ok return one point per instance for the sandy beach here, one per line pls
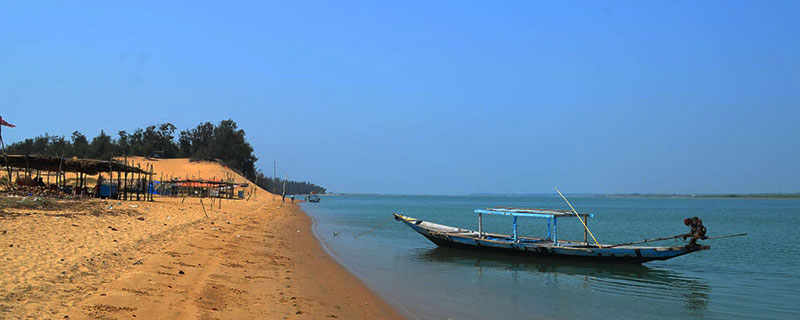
(171, 259)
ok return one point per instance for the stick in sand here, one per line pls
(204, 207)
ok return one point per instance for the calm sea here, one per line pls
(752, 277)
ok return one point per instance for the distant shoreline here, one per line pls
(709, 196)
(619, 195)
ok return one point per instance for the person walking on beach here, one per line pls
(292, 197)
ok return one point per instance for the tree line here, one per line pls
(224, 142)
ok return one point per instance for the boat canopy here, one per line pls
(532, 213)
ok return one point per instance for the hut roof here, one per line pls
(50, 163)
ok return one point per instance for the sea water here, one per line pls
(751, 277)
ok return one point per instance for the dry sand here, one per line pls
(165, 260)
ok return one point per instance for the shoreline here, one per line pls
(165, 259)
(340, 284)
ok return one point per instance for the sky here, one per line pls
(432, 97)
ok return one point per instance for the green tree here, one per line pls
(80, 145)
(123, 143)
(101, 147)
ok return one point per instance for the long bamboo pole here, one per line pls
(579, 217)
(644, 241)
(673, 237)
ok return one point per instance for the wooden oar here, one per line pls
(673, 237)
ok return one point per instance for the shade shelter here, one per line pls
(200, 188)
(129, 179)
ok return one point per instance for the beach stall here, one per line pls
(202, 188)
(113, 179)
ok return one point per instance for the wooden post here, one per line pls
(150, 183)
(147, 182)
(586, 233)
(555, 231)
(480, 226)
(27, 169)
(8, 166)
(125, 190)
(110, 180)
(125, 186)
(59, 178)
(119, 184)
(139, 183)
(202, 206)
(515, 227)
(254, 190)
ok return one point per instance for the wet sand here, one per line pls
(165, 259)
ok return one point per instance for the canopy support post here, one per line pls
(515, 228)
(480, 224)
(555, 234)
(548, 228)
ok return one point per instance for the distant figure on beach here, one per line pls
(292, 197)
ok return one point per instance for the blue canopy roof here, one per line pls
(529, 212)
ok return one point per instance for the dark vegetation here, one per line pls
(224, 142)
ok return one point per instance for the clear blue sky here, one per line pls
(439, 97)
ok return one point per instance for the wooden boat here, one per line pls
(447, 236)
(313, 198)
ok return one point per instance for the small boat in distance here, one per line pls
(313, 198)
(448, 236)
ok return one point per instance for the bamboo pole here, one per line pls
(674, 237)
(125, 191)
(5, 156)
(58, 177)
(151, 185)
(644, 241)
(110, 179)
(139, 183)
(204, 207)
(579, 217)
(119, 184)
(149, 195)
(27, 168)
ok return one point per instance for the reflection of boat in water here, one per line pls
(551, 246)
(622, 279)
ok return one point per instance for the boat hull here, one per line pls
(446, 236)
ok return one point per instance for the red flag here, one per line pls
(3, 122)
